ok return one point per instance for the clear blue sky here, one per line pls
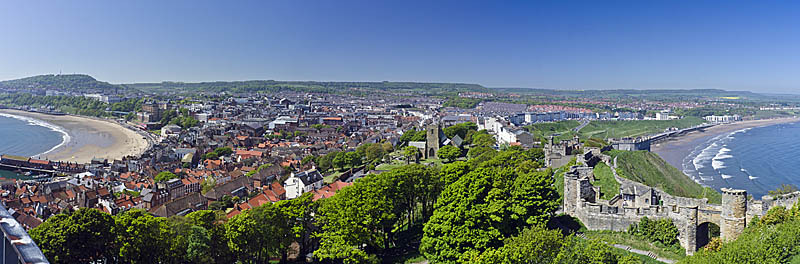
(752, 45)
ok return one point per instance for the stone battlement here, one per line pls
(692, 216)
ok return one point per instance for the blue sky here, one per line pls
(749, 45)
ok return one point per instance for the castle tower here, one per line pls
(571, 192)
(734, 210)
(688, 229)
(434, 136)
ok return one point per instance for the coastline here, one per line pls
(87, 138)
(676, 149)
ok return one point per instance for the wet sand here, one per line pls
(676, 149)
(90, 138)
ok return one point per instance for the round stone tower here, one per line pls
(734, 213)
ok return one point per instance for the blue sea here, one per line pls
(29, 137)
(755, 159)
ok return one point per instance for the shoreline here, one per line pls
(87, 138)
(675, 150)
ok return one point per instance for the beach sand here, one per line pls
(676, 149)
(90, 138)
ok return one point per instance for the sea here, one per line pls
(24, 136)
(756, 159)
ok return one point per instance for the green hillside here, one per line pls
(64, 82)
(648, 168)
(544, 130)
(609, 129)
(635, 128)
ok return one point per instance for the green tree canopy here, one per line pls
(86, 235)
(449, 153)
(484, 207)
(165, 176)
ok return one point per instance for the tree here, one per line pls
(406, 137)
(353, 159)
(326, 162)
(211, 156)
(256, 234)
(533, 245)
(450, 173)
(411, 152)
(165, 176)
(460, 129)
(449, 153)
(87, 235)
(340, 160)
(143, 238)
(213, 222)
(307, 160)
(224, 151)
(374, 152)
(474, 152)
(483, 139)
(358, 215)
(421, 135)
(578, 251)
(319, 127)
(489, 204)
(300, 214)
(387, 147)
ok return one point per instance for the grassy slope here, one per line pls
(648, 168)
(544, 130)
(622, 238)
(609, 129)
(604, 178)
(634, 128)
(558, 173)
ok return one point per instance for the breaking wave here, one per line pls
(36, 122)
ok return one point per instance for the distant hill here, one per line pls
(676, 94)
(82, 83)
(270, 86)
(78, 83)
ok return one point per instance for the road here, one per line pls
(583, 124)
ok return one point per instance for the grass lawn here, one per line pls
(622, 238)
(634, 128)
(434, 161)
(648, 168)
(604, 178)
(332, 177)
(391, 165)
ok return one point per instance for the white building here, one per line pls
(723, 118)
(170, 131)
(303, 182)
(663, 115)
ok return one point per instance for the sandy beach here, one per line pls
(676, 149)
(90, 138)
